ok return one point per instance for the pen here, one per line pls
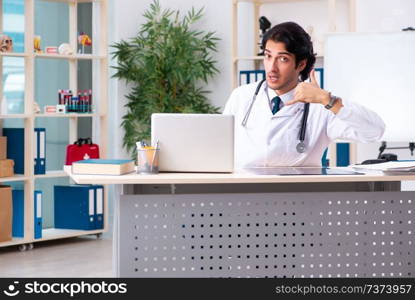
(154, 156)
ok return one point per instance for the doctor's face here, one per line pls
(280, 67)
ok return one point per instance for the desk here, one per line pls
(244, 225)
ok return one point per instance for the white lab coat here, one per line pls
(271, 140)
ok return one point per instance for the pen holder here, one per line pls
(148, 160)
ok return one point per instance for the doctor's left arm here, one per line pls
(355, 122)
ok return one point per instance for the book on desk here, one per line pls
(103, 166)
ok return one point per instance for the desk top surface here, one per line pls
(238, 177)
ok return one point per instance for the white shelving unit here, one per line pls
(69, 115)
(99, 60)
(69, 57)
(51, 174)
(14, 178)
(332, 20)
(13, 54)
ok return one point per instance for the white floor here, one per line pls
(75, 257)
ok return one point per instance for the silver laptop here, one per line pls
(194, 142)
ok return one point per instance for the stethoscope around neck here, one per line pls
(301, 136)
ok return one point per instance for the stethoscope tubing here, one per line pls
(248, 112)
(304, 122)
(303, 128)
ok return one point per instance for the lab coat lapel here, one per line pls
(289, 110)
(263, 105)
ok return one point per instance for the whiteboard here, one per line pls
(376, 70)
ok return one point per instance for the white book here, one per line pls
(402, 166)
(103, 166)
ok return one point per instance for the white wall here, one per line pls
(384, 15)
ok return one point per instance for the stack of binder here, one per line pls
(79, 207)
(250, 76)
(16, 148)
(18, 214)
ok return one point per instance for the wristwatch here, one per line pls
(332, 102)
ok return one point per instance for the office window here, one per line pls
(13, 67)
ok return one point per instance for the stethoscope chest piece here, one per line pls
(300, 147)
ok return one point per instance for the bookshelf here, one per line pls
(99, 62)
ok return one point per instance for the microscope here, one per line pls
(264, 25)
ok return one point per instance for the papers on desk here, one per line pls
(391, 167)
(286, 171)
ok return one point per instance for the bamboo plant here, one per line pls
(167, 66)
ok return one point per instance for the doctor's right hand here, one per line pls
(310, 92)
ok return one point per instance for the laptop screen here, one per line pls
(194, 142)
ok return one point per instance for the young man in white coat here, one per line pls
(291, 122)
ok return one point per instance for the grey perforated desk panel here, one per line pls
(241, 225)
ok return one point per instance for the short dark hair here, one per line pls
(297, 42)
